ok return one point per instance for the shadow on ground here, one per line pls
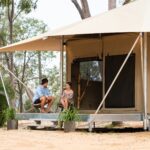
(95, 130)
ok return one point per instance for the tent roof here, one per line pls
(133, 17)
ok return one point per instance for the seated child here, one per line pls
(67, 96)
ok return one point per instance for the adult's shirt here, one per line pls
(41, 91)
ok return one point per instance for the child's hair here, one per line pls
(70, 84)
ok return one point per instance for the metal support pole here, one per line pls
(145, 79)
(141, 51)
(7, 98)
(103, 78)
(61, 64)
(65, 63)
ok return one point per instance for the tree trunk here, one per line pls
(111, 4)
(20, 87)
(22, 79)
(10, 13)
(83, 10)
(39, 66)
(20, 101)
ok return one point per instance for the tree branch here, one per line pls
(7, 60)
(75, 2)
(126, 2)
(17, 15)
(85, 8)
(24, 67)
(31, 79)
(29, 58)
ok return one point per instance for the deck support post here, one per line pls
(61, 64)
(103, 75)
(91, 127)
(144, 35)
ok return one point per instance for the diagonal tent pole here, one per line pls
(13, 75)
(4, 87)
(117, 75)
(27, 89)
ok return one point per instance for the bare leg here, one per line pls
(43, 102)
(50, 101)
(63, 102)
(66, 103)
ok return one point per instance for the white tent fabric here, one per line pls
(133, 17)
(42, 42)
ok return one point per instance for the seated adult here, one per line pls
(43, 96)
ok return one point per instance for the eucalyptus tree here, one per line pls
(13, 9)
(26, 63)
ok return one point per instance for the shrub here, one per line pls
(10, 114)
(27, 105)
(3, 107)
(70, 114)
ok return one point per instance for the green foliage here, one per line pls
(3, 101)
(10, 91)
(91, 70)
(3, 30)
(10, 11)
(70, 114)
(7, 114)
(27, 105)
(25, 6)
(3, 106)
(10, 114)
(24, 28)
(27, 27)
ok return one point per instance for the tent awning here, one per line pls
(133, 17)
(41, 42)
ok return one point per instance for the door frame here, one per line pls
(86, 59)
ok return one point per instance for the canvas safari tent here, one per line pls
(107, 60)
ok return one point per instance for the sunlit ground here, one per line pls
(25, 139)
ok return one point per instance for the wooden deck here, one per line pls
(83, 117)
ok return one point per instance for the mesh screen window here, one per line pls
(91, 70)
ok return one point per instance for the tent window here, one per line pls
(91, 70)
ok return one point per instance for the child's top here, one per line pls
(68, 95)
